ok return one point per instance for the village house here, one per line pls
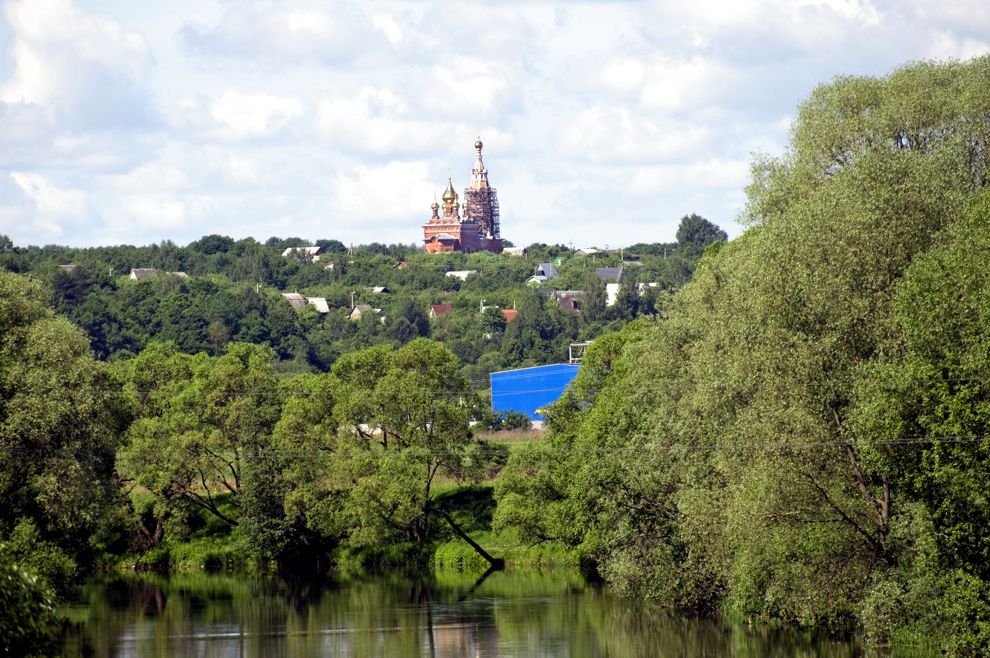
(436, 310)
(361, 310)
(313, 253)
(298, 302)
(319, 303)
(295, 300)
(570, 301)
(609, 274)
(141, 273)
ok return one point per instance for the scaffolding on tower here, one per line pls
(494, 202)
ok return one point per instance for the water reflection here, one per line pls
(508, 614)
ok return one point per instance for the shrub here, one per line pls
(27, 613)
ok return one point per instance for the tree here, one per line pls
(203, 425)
(409, 425)
(212, 244)
(695, 233)
(626, 305)
(60, 423)
(332, 246)
(399, 421)
(934, 390)
(28, 617)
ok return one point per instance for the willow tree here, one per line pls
(201, 437)
(746, 402)
(371, 439)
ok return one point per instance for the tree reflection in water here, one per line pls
(498, 614)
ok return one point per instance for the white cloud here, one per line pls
(340, 119)
(54, 206)
(466, 87)
(715, 176)
(376, 122)
(945, 45)
(249, 115)
(153, 210)
(85, 71)
(397, 193)
(617, 134)
(292, 31)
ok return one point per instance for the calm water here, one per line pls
(508, 614)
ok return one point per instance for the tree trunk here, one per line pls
(496, 563)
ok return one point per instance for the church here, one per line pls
(471, 228)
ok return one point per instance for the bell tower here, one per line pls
(481, 199)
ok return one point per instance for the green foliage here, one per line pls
(202, 430)
(804, 435)
(232, 295)
(695, 233)
(28, 619)
(60, 421)
(26, 547)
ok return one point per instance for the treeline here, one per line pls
(807, 434)
(230, 291)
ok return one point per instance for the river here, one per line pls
(506, 614)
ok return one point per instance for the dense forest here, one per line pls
(794, 428)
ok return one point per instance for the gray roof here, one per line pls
(547, 270)
(143, 272)
(319, 303)
(295, 299)
(609, 273)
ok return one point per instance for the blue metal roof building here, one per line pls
(528, 390)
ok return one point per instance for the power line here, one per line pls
(625, 450)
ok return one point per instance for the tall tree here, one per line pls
(694, 233)
(60, 422)
(202, 435)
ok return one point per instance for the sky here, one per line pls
(604, 123)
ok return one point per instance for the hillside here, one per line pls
(217, 290)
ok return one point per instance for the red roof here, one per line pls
(509, 314)
(440, 309)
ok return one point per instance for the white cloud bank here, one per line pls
(603, 123)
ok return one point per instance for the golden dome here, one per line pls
(435, 206)
(477, 143)
(449, 195)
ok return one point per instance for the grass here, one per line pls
(211, 543)
(512, 439)
(472, 508)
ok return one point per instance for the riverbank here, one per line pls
(216, 546)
